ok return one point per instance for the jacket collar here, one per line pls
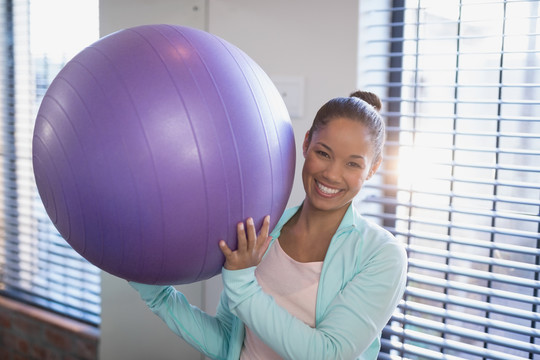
(349, 220)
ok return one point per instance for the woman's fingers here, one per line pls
(266, 243)
(250, 247)
(263, 234)
(241, 237)
(225, 249)
(251, 234)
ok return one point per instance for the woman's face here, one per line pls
(338, 160)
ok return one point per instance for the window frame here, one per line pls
(37, 266)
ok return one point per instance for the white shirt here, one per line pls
(293, 285)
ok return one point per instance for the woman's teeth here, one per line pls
(327, 190)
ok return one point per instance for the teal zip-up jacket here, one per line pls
(362, 280)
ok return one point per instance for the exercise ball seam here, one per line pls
(132, 171)
(224, 44)
(189, 120)
(46, 149)
(37, 159)
(66, 81)
(99, 84)
(228, 117)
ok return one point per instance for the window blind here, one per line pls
(36, 265)
(460, 182)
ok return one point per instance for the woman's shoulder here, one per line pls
(373, 238)
(368, 227)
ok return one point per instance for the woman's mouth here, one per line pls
(325, 190)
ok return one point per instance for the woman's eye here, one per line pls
(322, 153)
(354, 164)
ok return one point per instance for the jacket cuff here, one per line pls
(148, 292)
(239, 285)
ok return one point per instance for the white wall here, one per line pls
(312, 39)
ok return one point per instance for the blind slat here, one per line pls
(471, 288)
(495, 246)
(461, 226)
(473, 259)
(407, 348)
(466, 211)
(473, 273)
(466, 318)
(478, 181)
(472, 304)
(441, 342)
(440, 327)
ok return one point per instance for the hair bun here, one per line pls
(368, 97)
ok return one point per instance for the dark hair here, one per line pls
(362, 106)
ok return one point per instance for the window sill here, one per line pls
(64, 323)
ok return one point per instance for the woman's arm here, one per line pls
(208, 334)
(350, 324)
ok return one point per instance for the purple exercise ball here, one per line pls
(153, 143)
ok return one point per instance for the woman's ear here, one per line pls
(374, 168)
(306, 143)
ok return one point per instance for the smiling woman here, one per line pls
(338, 159)
(349, 274)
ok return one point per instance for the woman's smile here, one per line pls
(326, 190)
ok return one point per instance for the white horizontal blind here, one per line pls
(460, 186)
(36, 265)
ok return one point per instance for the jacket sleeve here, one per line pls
(350, 324)
(208, 334)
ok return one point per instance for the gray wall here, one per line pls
(314, 41)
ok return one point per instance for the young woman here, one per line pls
(325, 282)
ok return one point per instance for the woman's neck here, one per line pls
(316, 221)
(308, 233)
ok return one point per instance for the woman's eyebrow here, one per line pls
(354, 156)
(324, 146)
(358, 157)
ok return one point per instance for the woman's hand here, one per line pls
(251, 247)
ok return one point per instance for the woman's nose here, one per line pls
(332, 172)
